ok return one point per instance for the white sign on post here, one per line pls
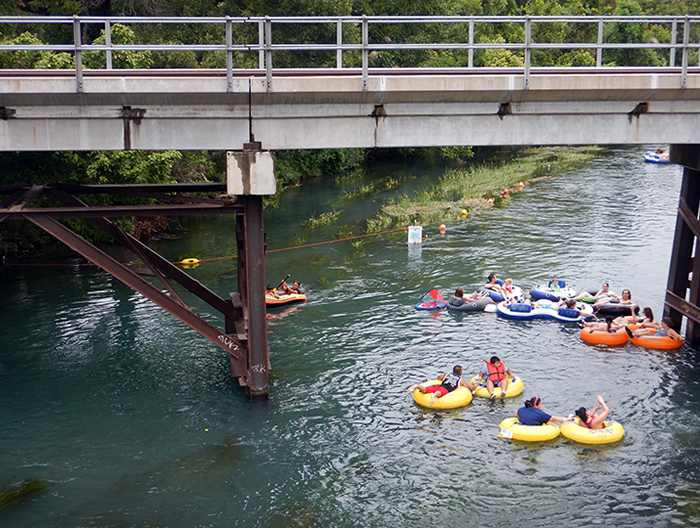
(415, 234)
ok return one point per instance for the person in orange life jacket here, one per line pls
(590, 419)
(495, 373)
(532, 414)
(450, 381)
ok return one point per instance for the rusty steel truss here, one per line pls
(245, 334)
(683, 290)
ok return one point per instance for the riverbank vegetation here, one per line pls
(478, 187)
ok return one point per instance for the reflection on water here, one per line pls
(129, 414)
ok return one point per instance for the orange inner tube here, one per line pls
(660, 342)
(603, 337)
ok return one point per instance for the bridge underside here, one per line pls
(338, 109)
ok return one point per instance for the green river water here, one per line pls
(132, 420)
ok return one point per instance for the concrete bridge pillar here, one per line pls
(683, 290)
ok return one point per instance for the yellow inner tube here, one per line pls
(612, 432)
(459, 397)
(511, 428)
(515, 387)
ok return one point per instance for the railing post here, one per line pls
(470, 60)
(268, 52)
(261, 44)
(339, 43)
(77, 42)
(229, 54)
(684, 53)
(528, 36)
(365, 53)
(108, 43)
(672, 57)
(599, 49)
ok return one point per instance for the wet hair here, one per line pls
(268, 287)
(609, 319)
(648, 313)
(491, 276)
(628, 293)
(582, 413)
(457, 370)
(532, 402)
(494, 359)
(459, 292)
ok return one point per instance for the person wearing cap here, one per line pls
(532, 413)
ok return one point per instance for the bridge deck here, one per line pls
(195, 109)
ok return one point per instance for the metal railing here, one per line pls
(352, 35)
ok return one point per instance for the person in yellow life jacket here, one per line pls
(495, 372)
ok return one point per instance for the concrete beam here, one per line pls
(162, 110)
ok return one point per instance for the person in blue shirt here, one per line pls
(532, 413)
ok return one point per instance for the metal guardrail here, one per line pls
(265, 47)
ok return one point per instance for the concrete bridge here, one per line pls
(251, 113)
(193, 110)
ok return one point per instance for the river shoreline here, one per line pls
(480, 187)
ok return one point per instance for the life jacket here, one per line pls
(496, 374)
(451, 381)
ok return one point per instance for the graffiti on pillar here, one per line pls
(258, 369)
(228, 342)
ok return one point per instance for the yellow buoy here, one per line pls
(190, 261)
(464, 212)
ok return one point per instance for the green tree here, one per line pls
(120, 34)
(629, 33)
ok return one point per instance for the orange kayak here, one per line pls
(283, 298)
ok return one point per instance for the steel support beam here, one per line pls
(250, 236)
(133, 280)
(683, 292)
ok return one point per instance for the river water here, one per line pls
(132, 419)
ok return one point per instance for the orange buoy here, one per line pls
(521, 185)
(442, 228)
(490, 202)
